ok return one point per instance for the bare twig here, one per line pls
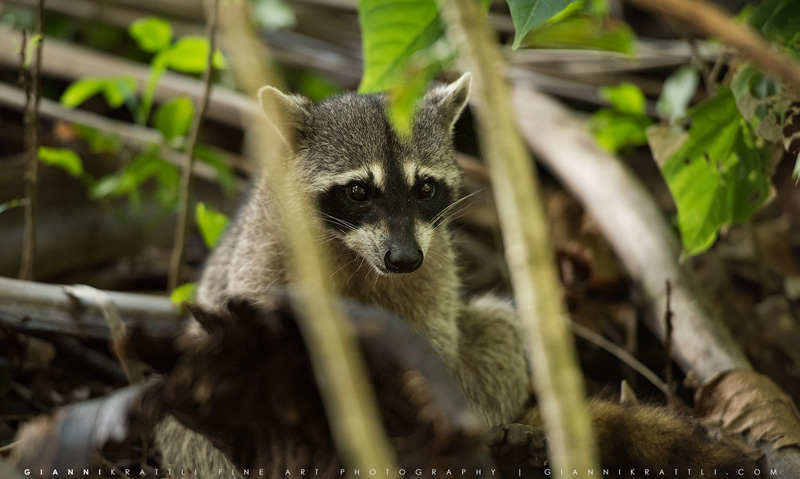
(525, 234)
(670, 391)
(33, 86)
(111, 313)
(347, 396)
(621, 354)
(712, 20)
(184, 212)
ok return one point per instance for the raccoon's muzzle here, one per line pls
(403, 257)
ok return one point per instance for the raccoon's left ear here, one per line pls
(451, 99)
(293, 110)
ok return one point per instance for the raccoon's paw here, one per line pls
(516, 443)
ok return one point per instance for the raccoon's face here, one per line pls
(383, 197)
(386, 215)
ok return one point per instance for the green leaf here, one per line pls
(761, 101)
(32, 44)
(174, 118)
(211, 223)
(145, 166)
(625, 98)
(10, 204)
(106, 186)
(81, 90)
(529, 14)
(184, 293)
(99, 142)
(717, 177)
(116, 90)
(583, 31)
(777, 20)
(614, 130)
(63, 158)
(190, 55)
(678, 91)
(152, 34)
(392, 31)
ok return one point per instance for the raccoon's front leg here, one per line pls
(492, 366)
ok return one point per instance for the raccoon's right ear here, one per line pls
(451, 99)
(293, 110)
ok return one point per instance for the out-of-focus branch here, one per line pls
(338, 366)
(525, 234)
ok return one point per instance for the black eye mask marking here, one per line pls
(432, 201)
(348, 207)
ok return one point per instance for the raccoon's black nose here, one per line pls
(403, 258)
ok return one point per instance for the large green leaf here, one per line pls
(529, 14)
(583, 31)
(717, 176)
(152, 34)
(392, 31)
(777, 20)
(174, 118)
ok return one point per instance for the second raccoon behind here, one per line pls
(385, 204)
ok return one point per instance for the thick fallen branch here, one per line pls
(641, 237)
(45, 308)
(129, 133)
(69, 61)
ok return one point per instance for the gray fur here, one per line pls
(479, 341)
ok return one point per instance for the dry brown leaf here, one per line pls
(746, 401)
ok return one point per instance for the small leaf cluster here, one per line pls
(188, 54)
(716, 157)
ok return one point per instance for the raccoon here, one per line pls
(384, 204)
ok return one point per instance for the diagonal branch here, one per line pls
(711, 20)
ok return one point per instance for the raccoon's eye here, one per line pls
(426, 190)
(357, 192)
